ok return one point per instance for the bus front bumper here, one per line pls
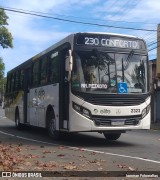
(80, 123)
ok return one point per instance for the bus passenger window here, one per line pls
(35, 73)
(43, 71)
(12, 82)
(9, 83)
(53, 70)
(21, 79)
(17, 80)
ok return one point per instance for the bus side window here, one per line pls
(17, 80)
(43, 70)
(21, 79)
(8, 83)
(53, 70)
(35, 81)
(12, 82)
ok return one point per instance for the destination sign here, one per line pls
(109, 41)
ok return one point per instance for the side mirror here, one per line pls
(69, 62)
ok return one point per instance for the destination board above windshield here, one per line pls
(109, 41)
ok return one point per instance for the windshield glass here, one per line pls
(102, 72)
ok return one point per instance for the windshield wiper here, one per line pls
(131, 53)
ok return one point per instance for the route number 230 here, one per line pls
(91, 41)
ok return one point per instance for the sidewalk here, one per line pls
(155, 126)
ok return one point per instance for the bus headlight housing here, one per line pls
(145, 111)
(86, 112)
(81, 110)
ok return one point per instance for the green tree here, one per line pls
(2, 79)
(5, 42)
(2, 68)
(5, 36)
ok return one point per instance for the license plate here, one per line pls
(118, 123)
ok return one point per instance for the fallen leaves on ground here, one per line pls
(33, 156)
(131, 169)
(126, 167)
(60, 155)
(70, 167)
(45, 152)
(9, 157)
(122, 166)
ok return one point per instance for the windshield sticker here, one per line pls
(132, 90)
(113, 82)
(94, 86)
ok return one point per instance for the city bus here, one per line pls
(87, 82)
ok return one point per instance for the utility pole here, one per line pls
(158, 55)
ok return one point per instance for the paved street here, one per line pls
(135, 150)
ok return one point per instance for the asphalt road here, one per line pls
(138, 149)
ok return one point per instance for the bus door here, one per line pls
(63, 93)
(27, 76)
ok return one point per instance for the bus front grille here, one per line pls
(124, 121)
(113, 99)
(116, 101)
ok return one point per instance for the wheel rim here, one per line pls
(52, 125)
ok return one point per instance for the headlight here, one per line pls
(86, 112)
(81, 110)
(148, 108)
(145, 111)
(76, 107)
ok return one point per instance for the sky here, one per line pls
(32, 34)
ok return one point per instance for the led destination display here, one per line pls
(109, 41)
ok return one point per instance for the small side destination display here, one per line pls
(109, 41)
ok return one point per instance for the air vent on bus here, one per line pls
(116, 100)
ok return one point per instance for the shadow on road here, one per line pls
(83, 140)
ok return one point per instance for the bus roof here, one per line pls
(107, 33)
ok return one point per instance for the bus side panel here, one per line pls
(13, 101)
(10, 112)
(39, 99)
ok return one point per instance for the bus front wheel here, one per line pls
(51, 126)
(111, 136)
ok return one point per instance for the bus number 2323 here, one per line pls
(135, 110)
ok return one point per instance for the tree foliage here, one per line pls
(2, 79)
(5, 42)
(2, 68)
(5, 36)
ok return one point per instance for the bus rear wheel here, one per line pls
(51, 126)
(111, 136)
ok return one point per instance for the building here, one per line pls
(155, 93)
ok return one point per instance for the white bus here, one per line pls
(87, 82)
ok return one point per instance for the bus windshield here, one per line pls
(102, 72)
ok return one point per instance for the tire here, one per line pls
(111, 136)
(18, 125)
(51, 126)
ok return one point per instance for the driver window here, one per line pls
(75, 74)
